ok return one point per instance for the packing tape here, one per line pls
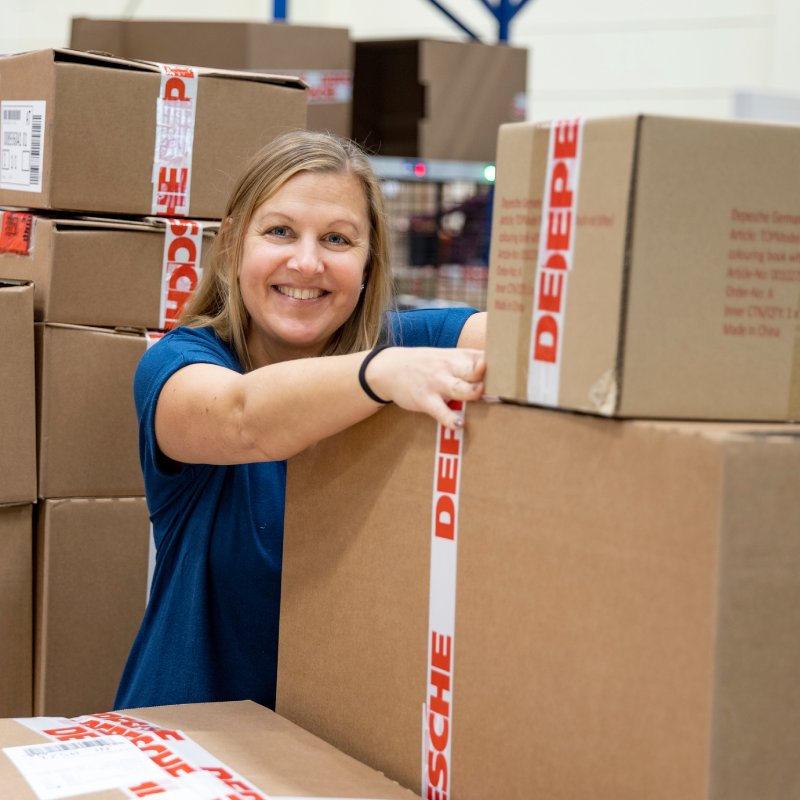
(185, 769)
(437, 710)
(16, 233)
(181, 270)
(172, 157)
(554, 260)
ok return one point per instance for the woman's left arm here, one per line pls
(473, 334)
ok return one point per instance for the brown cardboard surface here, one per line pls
(87, 426)
(16, 610)
(258, 46)
(435, 99)
(276, 756)
(100, 127)
(626, 597)
(91, 588)
(96, 273)
(683, 293)
(17, 396)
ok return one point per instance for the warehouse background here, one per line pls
(720, 58)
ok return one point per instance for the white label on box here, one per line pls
(324, 85)
(328, 86)
(183, 241)
(437, 710)
(64, 769)
(22, 144)
(172, 159)
(554, 261)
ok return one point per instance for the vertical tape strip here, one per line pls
(554, 261)
(437, 711)
(183, 242)
(172, 159)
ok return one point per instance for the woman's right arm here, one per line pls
(211, 415)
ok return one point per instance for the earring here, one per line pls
(362, 286)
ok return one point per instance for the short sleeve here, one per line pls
(179, 348)
(428, 327)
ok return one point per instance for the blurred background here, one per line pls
(730, 59)
(590, 57)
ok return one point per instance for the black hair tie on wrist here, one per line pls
(362, 374)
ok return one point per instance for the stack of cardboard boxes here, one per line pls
(114, 175)
(78, 137)
(600, 604)
(17, 487)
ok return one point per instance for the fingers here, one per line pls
(446, 416)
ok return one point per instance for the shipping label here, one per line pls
(16, 233)
(172, 161)
(437, 710)
(183, 241)
(116, 751)
(22, 125)
(554, 260)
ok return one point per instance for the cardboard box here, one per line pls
(434, 99)
(109, 273)
(91, 591)
(234, 749)
(95, 134)
(17, 396)
(321, 56)
(666, 278)
(16, 610)
(626, 604)
(87, 425)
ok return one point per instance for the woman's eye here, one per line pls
(337, 238)
(278, 230)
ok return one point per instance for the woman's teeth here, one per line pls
(300, 294)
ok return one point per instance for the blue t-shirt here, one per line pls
(210, 630)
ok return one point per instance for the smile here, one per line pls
(300, 294)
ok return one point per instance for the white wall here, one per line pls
(587, 57)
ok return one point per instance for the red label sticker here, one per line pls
(16, 233)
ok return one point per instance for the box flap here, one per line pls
(97, 59)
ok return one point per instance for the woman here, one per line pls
(276, 350)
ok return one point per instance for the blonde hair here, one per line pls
(217, 301)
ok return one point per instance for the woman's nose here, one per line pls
(307, 257)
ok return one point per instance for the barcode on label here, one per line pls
(36, 148)
(12, 113)
(41, 749)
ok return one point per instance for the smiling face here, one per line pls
(304, 255)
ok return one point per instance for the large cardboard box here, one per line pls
(647, 266)
(17, 395)
(321, 56)
(231, 750)
(626, 601)
(16, 610)
(108, 273)
(435, 99)
(87, 427)
(91, 591)
(95, 134)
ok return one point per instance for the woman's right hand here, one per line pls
(425, 378)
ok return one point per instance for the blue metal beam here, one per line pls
(452, 17)
(504, 11)
(279, 9)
